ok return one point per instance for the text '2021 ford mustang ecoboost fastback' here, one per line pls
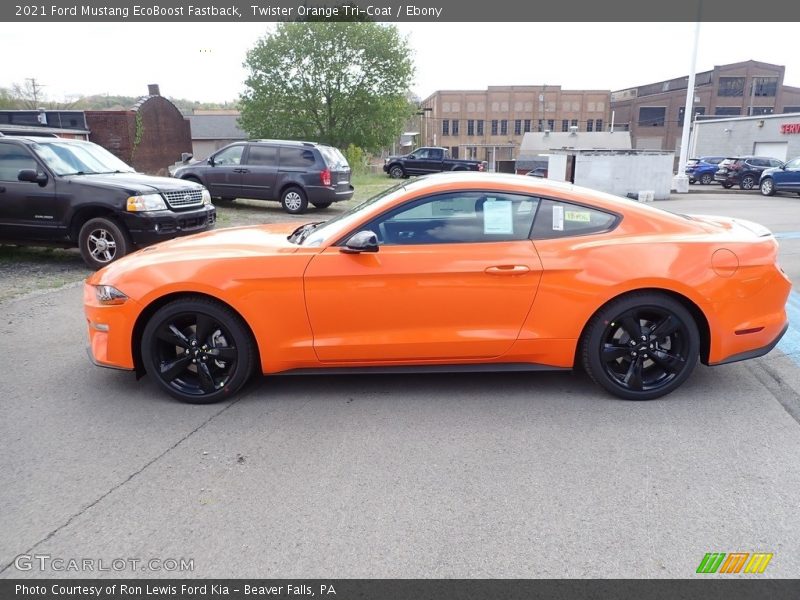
(449, 272)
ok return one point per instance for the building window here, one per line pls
(480, 126)
(765, 86)
(652, 116)
(517, 127)
(471, 127)
(698, 110)
(454, 151)
(728, 111)
(589, 125)
(761, 110)
(551, 124)
(540, 125)
(731, 86)
(565, 125)
(791, 109)
(527, 125)
(445, 127)
(598, 124)
(454, 127)
(494, 126)
(503, 126)
(574, 122)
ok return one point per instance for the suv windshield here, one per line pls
(73, 158)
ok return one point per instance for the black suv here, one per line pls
(66, 193)
(295, 173)
(744, 171)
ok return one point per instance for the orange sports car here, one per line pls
(449, 272)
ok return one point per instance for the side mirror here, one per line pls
(33, 176)
(363, 241)
(210, 160)
(186, 157)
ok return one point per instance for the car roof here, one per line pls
(286, 143)
(37, 139)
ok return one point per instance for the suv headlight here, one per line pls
(146, 202)
(206, 197)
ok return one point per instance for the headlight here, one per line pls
(107, 294)
(146, 202)
(206, 197)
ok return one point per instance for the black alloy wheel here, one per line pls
(198, 350)
(396, 172)
(641, 346)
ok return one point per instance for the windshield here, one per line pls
(333, 157)
(323, 232)
(73, 158)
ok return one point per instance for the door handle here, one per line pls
(507, 270)
(241, 170)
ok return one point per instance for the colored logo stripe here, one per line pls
(716, 561)
(758, 563)
(734, 562)
(711, 562)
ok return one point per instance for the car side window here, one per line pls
(260, 155)
(229, 156)
(557, 219)
(774, 162)
(793, 165)
(457, 218)
(297, 157)
(13, 159)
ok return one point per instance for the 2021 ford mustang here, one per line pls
(448, 272)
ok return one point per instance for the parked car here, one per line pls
(702, 169)
(537, 172)
(744, 171)
(426, 160)
(781, 179)
(293, 173)
(63, 192)
(451, 272)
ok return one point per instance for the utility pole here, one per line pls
(35, 88)
(681, 181)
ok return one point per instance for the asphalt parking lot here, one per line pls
(482, 475)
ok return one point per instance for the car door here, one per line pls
(223, 176)
(417, 162)
(259, 170)
(788, 178)
(453, 279)
(28, 210)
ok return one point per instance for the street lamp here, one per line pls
(423, 112)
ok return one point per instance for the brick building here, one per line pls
(150, 136)
(490, 124)
(654, 113)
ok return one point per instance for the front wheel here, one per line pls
(706, 178)
(641, 346)
(767, 187)
(748, 182)
(198, 350)
(101, 241)
(321, 205)
(396, 172)
(294, 201)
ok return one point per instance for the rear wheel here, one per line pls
(641, 346)
(767, 187)
(198, 350)
(706, 178)
(294, 201)
(748, 182)
(101, 241)
(321, 205)
(727, 185)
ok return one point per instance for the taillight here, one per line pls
(735, 167)
(325, 176)
(480, 166)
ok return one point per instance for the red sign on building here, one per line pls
(790, 128)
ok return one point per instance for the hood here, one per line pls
(133, 183)
(220, 244)
(770, 171)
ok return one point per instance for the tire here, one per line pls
(748, 182)
(616, 357)
(693, 181)
(101, 242)
(767, 187)
(727, 185)
(706, 179)
(294, 201)
(321, 205)
(397, 172)
(198, 367)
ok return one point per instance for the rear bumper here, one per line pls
(329, 194)
(755, 353)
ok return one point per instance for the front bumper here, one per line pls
(149, 228)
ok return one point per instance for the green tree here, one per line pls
(333, 82)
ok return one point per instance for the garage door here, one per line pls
(772, 149)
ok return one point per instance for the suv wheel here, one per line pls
(767, 187)
(748, 182)
(396, 172)
(294, 201)
(727, 185)
(321, 205)
(102, 241)
(706, 178)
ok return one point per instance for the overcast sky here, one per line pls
(203, 62)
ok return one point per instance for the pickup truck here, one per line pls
(428, 160)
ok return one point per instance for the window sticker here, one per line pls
(498, 217)
(558, 218)
(578, 216)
